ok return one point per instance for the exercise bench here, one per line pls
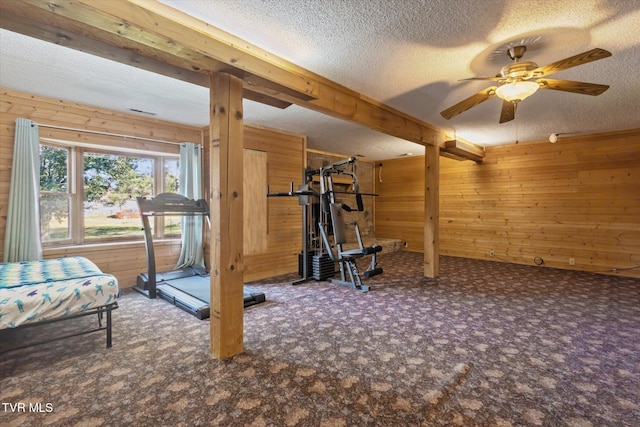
(349, 273)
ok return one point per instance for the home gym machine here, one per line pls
(322, 217)
(188, 287)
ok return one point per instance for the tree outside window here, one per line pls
(111, 185)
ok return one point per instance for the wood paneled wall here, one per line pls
(124, 260)
(285, 162)
(399, 184)
(577, 199)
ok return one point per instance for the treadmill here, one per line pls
(189, 287)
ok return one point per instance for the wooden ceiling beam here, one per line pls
(156, 31)
(151, 29)
(128, 56)
(342, 103)
(462, 150)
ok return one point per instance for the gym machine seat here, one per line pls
(347, 258)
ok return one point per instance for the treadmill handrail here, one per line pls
(172, 204)
(165, 204)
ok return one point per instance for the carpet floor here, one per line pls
(485, 344)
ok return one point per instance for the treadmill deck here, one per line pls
(192, 294)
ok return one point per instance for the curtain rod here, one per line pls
(107, 134)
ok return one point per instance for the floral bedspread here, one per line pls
(34, 291)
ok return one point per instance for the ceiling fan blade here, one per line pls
(495, 79)
(579, 59)
(508, 112)
(571, 86)
(465, 104)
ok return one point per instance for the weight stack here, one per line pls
(323, 267)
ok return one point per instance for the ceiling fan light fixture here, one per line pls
(517, 91)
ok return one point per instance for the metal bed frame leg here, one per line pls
(109, 327)
(99, 311)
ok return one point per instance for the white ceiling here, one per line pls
(409, 54)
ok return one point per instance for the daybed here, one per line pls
(38, 292)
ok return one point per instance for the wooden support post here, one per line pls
(431, 210)
(226, 255)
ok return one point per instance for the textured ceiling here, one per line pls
(409, 54)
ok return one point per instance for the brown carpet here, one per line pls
(486, 344)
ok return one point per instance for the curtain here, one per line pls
(191, 187)
(22, 237)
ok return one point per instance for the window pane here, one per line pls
(55, 200)
(111, 185)
(54, 216)
(172, 225)
(171, 176)
(171, 183)
(53, 169)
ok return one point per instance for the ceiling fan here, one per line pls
(519, 80)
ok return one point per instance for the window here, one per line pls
(89, 194)
(111, 184)
(55, 194)
(171, 178)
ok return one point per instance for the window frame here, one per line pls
(161, 220)
(70, 193)
(75, 189)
